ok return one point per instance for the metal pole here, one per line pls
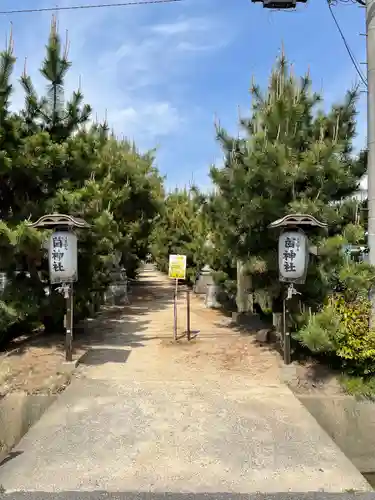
(69, 325)
(175, 312)
(370, 31)
(188, 314)
(286, 335)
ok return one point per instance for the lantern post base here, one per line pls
(69, 325)
(286, 336)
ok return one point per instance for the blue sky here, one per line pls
(162, 73)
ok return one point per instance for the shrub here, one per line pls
(342, 328)
(319, 334)
(357, 347)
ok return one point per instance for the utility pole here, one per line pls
(370, 48)
(370, 42)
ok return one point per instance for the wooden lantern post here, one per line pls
(63, 268)
(293, 260)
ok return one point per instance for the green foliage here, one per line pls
(291, 158)
(53, 160)
(360, 387)
(320, 332)
(357, 347)
(182, 228)
(356, 279)
(8, 316)
(354, 233)
(342, 328)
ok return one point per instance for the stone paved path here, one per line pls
(145, 414)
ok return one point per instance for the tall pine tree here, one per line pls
(291, 158)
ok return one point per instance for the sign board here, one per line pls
(293, 256)
(177, 267)
(62, 256)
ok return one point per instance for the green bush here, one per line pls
(8, 317)
(320, 332)
(357, 347)
(342, 328)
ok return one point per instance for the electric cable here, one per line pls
(359, 2)
(348, 49)
(89, 6)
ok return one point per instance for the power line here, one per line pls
(359, 2)
(348, 49)
(89, 6)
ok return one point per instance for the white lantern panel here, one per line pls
(292, 255)
(63, 257)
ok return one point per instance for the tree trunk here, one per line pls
(244, 290)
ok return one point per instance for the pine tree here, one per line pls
(182, 228)
(50, 162)
(291, 158)
(51, 113)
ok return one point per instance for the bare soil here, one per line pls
(312, 377)
(226, 347)
(243, 353)
(35, 366)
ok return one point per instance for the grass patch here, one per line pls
(360, 387)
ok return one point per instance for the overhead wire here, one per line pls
(360, 2)
(348, 49)
(89, 6)
(151, 2)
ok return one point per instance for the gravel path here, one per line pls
(145, 414)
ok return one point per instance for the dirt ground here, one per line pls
(223, 345)
(312, 377)
(240, 352)
(34, 365)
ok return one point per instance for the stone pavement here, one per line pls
(145, 414)
(101, 495)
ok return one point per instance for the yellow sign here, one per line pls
(177, 267)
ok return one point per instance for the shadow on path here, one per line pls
(117, 330)
(147, 295)
(103, 495)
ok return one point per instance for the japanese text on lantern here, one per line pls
(59, 247)
(292, 246)
(292, 255)
(63, 257)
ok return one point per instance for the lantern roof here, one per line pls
(297, 220)
(59, 220)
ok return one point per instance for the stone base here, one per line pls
(69, 366)
(211, 297)
(289, 374)
(263, 336)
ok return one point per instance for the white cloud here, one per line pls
(181, 27)
(193, 34)
(135, 72)
(136, 69)
(152, 54)
(149, 120)
(193, 47)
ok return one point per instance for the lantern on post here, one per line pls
(293, 256)
(63, 266)
(293, 260)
